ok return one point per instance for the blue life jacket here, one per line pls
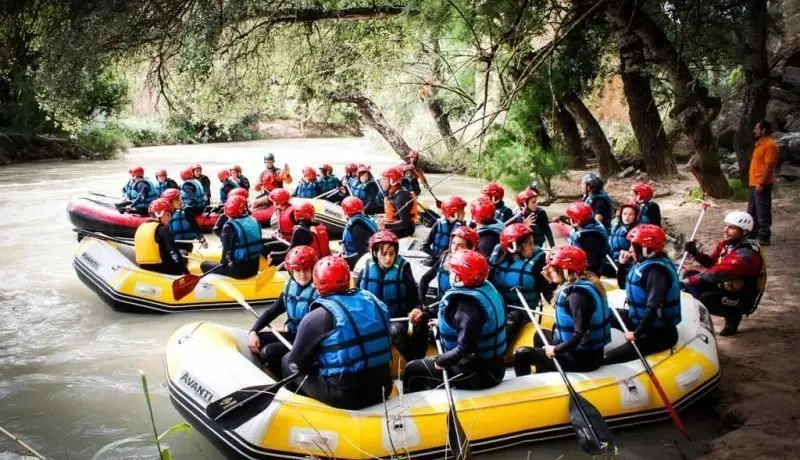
(297, 300)
(592, 227)
(507, 275)
(670, 313)
(306, 190)
(643, 212)
(441, 235)
(381, 194)
(352, 182)
(328, 183)
(193, 196)
(223, 194)
(599, 327)
(180, 226)
(359, 191)
(492, 341)
(347, 234)
(601, 196)
(161, 187)
(387, 285)
(501, 210)
(360, 336)
(442, 281)
(247, 244)
(126, 188)
(617, 240)
(495, 227)
(150, 195)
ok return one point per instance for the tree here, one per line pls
(756, 81)
(373, 116)
(606, 163)
(568, 129)
(659, 161)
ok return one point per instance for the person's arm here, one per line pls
(468, 321)
(141, 189)
(544, 222)
(273, 311)
(191, 217)
(770, 162)
(228, 237)
(735, 266)
(165, 240)
(361, 235)
(657, 282)
(300, 237)
(546, 288)
(313, 328)
(428, 244)
(412, 290)
(581, 308)
(426, 279)
(402, 205)
(709, 260)
(373, 205)
(415, 186)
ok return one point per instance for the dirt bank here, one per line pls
(760, 391)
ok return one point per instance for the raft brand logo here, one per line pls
(90, 260)
(192, 383)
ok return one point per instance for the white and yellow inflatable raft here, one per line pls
(206, 361)
(110, 270)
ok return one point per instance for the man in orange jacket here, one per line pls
(761, 181)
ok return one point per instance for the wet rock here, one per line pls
(791, 77)
(789, 147)
(792, 124)
(732, 170)
(789, 171)
(777, 111)
(627, 172)
(784, 95)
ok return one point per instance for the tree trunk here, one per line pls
(756, 82)
(606, 163)
(372, 116)
(694, 110)
(429, 92)
(569, 131)
(540, 134)
(654, 149)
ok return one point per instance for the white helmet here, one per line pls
(740, 219)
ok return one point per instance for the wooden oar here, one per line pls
(456, 437)
(673, 414)
(591, 429)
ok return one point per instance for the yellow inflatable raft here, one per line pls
(109, 270)
(206, 361)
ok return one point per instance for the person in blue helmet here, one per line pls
(438, 239)
(357, 232)
(342, 349)
(588, 234)
(471, 324)
(388, 276)
(582, 325)
(594, 196)
(294, 301)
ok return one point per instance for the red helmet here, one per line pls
(326, 168)
(309, 174)
(648, 236)
(197, 166)
(513, 233)
(383, 236)
(237, 168)
(171, 194)
(301, 258)
(452, 206)
(304, 211)
(239, 191)
(236, 207)
(159, 206)
(469, 234)
(352, 206)
(524, 196)
(568, 258)
(224, 175)
(470, 266)
(186, 174)
(331, 275)
(137, 171)
(494, 191)
(362, 168)
(351, 168)
(482, 210)
(643, 191)
(633, 206)
(580, 212)
(394, 175)
(161, 172)
(279, 196)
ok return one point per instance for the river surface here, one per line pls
(69, 365)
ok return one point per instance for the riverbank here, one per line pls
(758, 395)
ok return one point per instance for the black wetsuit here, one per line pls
(595, 247)
(403, 224)
(191, 216)
(651, 214)
(649, 338)
(581, 307)
(206, 183)
(346, 391)
(430, 275)
(360, 236)
(272, 350)
(301, 236)
(374, 204)
(238, 270)
(465, 369)
(171, 261)
(244, 182)
(487, 243)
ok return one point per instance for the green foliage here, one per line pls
(104, 142)
(740, 190)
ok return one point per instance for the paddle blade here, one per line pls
(233, 410)
(456, 437)
(265, 276)
(593, 433)
(182, 286)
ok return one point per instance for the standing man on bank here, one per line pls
(761, 181)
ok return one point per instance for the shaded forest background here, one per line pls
(535, 87)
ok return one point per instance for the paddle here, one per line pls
(184, 285)
(326, 194)
(106, 196)
(705, 206)
(659, 389)
(590, 428)
(266, 274)
(611, 261)
(102, 236)
(456, 437)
